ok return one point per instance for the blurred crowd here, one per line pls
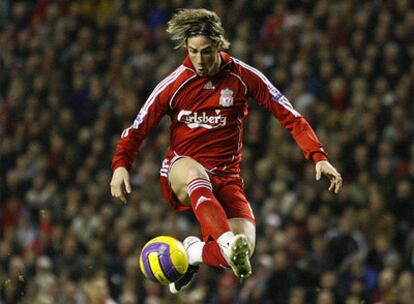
(73, 75)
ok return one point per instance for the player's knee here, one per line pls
(190, 169)
(183, 171)
(187, 169)
(195, 170)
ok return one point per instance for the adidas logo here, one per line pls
(202, 199)
(209, 86)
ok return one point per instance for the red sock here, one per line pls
(208, 211)
(212, 255)
(212, 218)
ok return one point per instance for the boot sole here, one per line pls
(240, 257)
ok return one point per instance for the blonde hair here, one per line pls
(194, 22)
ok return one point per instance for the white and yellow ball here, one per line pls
(163, 260)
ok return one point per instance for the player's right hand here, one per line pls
(120, 184)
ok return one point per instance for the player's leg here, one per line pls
(191, 184)
(192, 187)
(242, 222)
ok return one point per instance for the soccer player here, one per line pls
(206, 98)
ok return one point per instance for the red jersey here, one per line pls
(207, 115)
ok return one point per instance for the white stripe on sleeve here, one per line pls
(277, 96)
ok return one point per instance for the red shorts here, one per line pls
(228, 190)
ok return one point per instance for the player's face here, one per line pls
(204, 55)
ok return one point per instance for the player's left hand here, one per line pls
(325, 168)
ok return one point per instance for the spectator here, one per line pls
(345, 242)
(72, 75)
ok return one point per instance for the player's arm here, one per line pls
(131, 139)
(260, 88)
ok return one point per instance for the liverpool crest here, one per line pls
(226, 97)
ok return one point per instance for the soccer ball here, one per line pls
(163, 260)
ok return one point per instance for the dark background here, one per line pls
(73, 75)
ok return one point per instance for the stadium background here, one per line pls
(73, 74)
